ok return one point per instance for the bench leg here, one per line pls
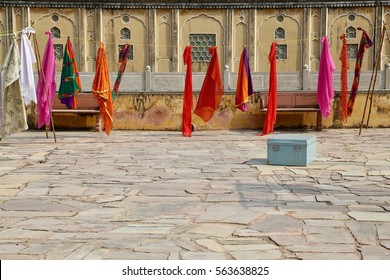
(319, 121)
(99, 122)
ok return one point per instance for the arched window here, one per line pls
(56, 32)
(281, 49)
(350, 32)
(280, 33)
(125, 34)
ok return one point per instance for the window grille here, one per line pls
(59, 51)
(131, 52)
(56, 32)
(280, 34)
(126, 18)
(350, 32)
(125, 34)
(200, 46)
(351, 17)
(281, 52)
(54, 18)
(280, 18)
(352, 51)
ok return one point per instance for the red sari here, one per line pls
(270, 118)
(212, 90)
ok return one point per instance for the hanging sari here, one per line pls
(70, 81)
(187, 99)
(101, 89)
(14, 118)
(365, 43)
(325, 90)
(212, 89)
(244, 83)
(270, 117)
(46, 86)
(344, 79)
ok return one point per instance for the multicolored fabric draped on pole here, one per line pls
(14, 117)
(212, 89)
(244, 82)
(188, 96)
(46, 86)
(101, 89)
(27, 59)
(325, 91)
(70, 80)
(344, 79)
(365, 43)
(270, 117)
(123, 58)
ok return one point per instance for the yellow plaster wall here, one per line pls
(164, 112)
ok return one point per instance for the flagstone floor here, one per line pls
(158, 195)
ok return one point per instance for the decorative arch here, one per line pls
(284, 15)
(55, 13)
(361, 16)
(126, 14)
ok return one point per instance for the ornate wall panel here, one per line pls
(284, 27)
(241, 22)
(313, 40)
(386, 43)
(63, 23)
(163, 41)
(198, 22)
(347, 21)
(126, 27)
(90, 35)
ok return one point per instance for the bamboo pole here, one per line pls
(373, 80)
(39, 67)
(372, 93)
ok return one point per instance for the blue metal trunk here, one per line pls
(291, 149)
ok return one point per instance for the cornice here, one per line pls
(139, 4)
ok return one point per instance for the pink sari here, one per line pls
(46, 86)
(325, 91)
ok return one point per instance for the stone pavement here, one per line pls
(158, 195)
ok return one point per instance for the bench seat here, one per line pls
(87, 105)
(295, 102)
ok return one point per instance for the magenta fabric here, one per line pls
(186, 126)
(325, 90)
(46, 86)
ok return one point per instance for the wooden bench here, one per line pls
(87, 105)
(295, 102)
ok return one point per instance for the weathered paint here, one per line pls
(153, 111)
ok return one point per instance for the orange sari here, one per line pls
(101, 89)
